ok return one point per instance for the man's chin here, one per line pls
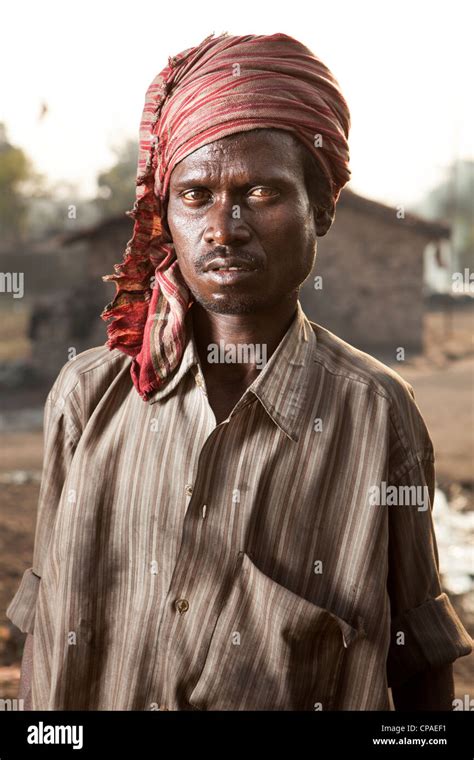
(231, 304)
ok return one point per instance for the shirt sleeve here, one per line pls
(60, 437)
(426, 631)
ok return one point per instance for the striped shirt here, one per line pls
(284, 559)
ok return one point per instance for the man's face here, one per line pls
(242, 197)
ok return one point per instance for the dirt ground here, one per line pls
(443, 380)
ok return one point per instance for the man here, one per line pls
(207, 535)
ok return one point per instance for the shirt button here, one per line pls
(182, 605)
(188, 489)
(199, 380)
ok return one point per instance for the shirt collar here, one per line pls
(281, 387)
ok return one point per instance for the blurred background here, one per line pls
(394, 276)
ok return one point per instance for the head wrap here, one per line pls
(224, 85)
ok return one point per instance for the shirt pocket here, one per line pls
(272, 649)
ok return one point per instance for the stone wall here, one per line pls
(372, 280)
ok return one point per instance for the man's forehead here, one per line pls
(275, 155)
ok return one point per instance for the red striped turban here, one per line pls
(225, 85)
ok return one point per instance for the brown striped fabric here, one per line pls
(182, 565)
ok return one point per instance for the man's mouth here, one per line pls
(231, 275)
(230, 269)
(230, 264)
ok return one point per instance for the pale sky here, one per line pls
(404, 67)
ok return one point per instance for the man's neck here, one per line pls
(261, 330)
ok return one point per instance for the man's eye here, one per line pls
(265, 192)
(199, 195)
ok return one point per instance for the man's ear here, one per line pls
(164, 223)
(166, 228)
(324, 217)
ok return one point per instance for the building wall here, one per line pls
(44, 272)
(71, 322)
(372, 281)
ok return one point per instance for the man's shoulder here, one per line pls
(344, 360)
(357, 370)
(94, 368)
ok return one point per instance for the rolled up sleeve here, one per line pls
(60, 436)
(426, 631)
(22, 608)
(435, 636)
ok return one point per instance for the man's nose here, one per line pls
(224, 225)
